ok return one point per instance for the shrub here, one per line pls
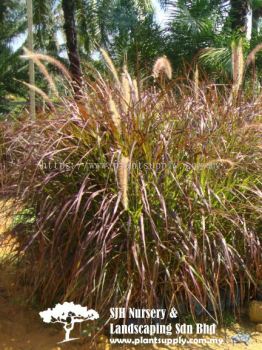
(141, 197)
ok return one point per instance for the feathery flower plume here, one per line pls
(252, 54)
(110, 65)
(162, 66)
(42, 69)
(123, 180)
(125, 89)
(238, 66)
(135, 90)
(39, 92)
(196, 83)
(49, 59)
(114, 114)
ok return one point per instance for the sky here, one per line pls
(159, 13)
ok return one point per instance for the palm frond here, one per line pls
(216, 57)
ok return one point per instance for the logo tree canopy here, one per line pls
(68, 314)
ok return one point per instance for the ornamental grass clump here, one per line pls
(142, 200)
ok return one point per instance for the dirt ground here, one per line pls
(22, 329)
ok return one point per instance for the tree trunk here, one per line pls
(68, 331)
(71, 42)
(31, 63)
(238, 14)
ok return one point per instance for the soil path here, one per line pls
(22, 329)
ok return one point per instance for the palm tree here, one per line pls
(238, 15)
(193, 26)
(134, 36)
(89, 24)
(197, 24)
(71, 42)
(46, 23)
(12, 24)
(101, 22)
(30, 43)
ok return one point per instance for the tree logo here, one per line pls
(68, 314)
